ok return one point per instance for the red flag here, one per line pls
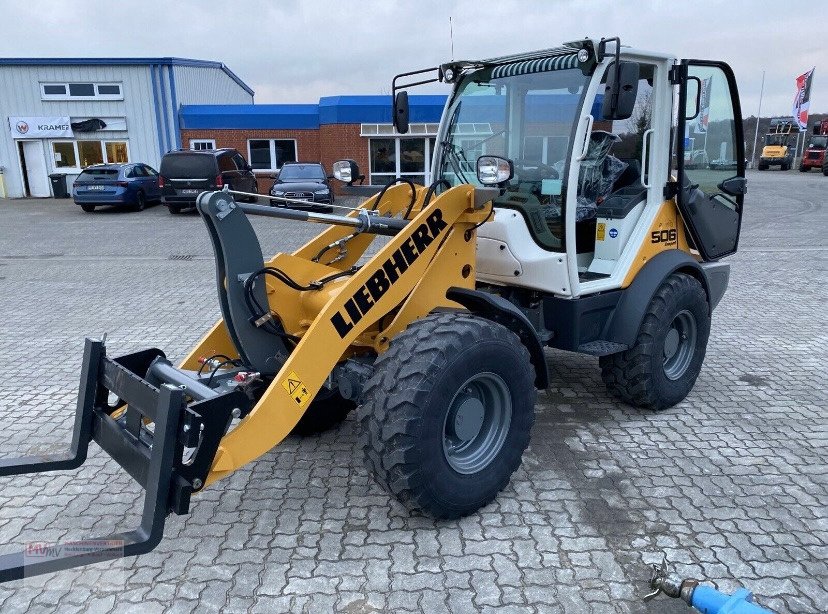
(802, 100)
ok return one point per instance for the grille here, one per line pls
(308, 195)
(185, 257)
(813, 155)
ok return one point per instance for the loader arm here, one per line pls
(383, 283)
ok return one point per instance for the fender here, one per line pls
(626, 319)
(498, 309)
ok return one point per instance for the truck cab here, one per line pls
(815, 146)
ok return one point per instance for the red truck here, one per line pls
(814, 154)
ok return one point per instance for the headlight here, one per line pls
(323, 191)
(277, 192)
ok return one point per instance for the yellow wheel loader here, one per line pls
(779, 148)
(558, 213)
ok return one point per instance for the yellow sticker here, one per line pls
(599, 232)
(296, 389)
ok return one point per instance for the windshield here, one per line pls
(528, 118)
(818, 142)
(302, 172)
(776, 139)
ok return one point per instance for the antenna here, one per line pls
(451, 38)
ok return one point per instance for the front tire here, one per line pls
(324, 413)
(448, 413)
(88, 208)
(763, 166)
(175, 209)
(661, 368)
(804, 169)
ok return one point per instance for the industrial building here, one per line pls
(63, 114)
(337, 127)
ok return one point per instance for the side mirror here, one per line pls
(620, 91)
(401, 112)
(494, 170)
(346, 171)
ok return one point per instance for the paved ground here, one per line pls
(731, 483)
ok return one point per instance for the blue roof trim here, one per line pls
(377, 109)
(249, 116)
(330, 110)
(169, 61)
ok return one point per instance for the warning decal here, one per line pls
(600, 229)
(296, 389)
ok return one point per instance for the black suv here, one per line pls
(303, 181)
(185, 174)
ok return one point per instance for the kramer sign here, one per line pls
(40, 127)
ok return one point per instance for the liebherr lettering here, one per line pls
(385, 276)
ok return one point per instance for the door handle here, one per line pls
(644, 150)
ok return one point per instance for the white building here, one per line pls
(62, 114)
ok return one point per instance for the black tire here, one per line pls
(175, 209)
(432, 371)
(255, 190)
(804, 169)
(140, 202)
(825, 170)
(643, 376)
(324, 413)
(88, 208)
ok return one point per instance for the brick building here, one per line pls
(338, 127)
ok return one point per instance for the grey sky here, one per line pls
(296, 51)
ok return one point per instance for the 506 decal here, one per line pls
(664, 236)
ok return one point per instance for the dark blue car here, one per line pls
(130, 185)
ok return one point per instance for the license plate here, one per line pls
(189, 191)
(96, 187)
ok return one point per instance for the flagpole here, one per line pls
(758, 115)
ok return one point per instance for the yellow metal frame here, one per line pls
(404, 280)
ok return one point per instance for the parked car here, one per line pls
(185, 174)
(305, 181)
(132, 185)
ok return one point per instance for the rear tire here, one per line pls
(88, 208)
(661, 368)
(140, 202)
(175, 209)
(825, 170)
(324, 413)
(763, 166)
(448, 413)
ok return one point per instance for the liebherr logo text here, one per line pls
(385, 276)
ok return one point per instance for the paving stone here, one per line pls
(730, 483)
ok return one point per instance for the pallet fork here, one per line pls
(174, 430)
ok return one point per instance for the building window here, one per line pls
(270, 154)
(407, 158)
(77, 155)
(202, 144)
(81, 91)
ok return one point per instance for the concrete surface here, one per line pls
(731, 484)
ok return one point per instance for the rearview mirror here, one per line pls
(620, 91)
(494, 170)
(401, 112)
(346, 171)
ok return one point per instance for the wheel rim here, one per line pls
(680, 345)
(476, 423)
(140, 200)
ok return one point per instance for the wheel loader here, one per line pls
(560, 215)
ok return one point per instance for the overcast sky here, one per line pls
(299, 50)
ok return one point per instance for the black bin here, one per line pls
(59, 189)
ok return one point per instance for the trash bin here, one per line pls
(59, 185)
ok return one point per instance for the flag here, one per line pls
(704, 106)
(802, 100)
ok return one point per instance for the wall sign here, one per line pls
(40, 127)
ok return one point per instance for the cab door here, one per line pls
(710, 156)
